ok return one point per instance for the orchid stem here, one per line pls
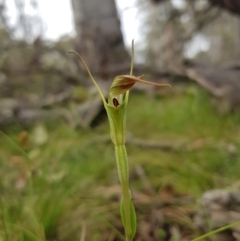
(123, 172)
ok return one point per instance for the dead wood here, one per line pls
(148, 144)
(221, 82)
(28, 111)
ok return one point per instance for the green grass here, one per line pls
(67, 184)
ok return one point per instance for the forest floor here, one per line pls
(61, 184)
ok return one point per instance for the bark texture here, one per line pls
(99, 38)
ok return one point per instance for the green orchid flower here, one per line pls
(116, 109)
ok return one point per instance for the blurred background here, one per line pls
(58, 176)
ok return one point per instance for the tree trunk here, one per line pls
(237, 43)
(99, 38)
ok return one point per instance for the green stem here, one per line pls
(216, 231)
(123, 172)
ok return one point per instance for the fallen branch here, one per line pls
(148, 144)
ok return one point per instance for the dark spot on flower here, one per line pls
(115, 102)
